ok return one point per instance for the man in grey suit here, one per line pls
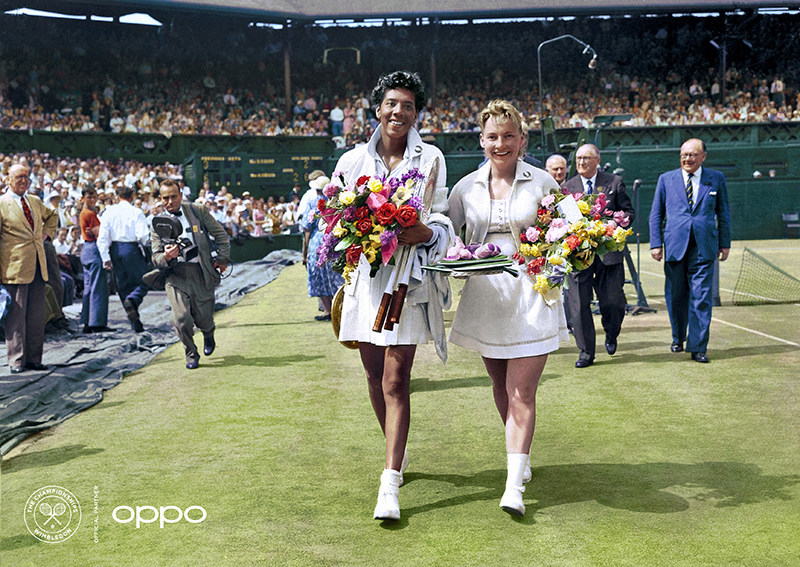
(606, 275)
(690, 227)
(193, 272)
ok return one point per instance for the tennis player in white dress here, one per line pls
(503, 318)
(387, 356)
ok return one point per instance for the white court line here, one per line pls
(754, 332)
(733, 324)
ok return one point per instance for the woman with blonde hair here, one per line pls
(501, 317)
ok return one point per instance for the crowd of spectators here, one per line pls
(229, 79)
(59, 182)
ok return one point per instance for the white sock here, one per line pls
(516, 468)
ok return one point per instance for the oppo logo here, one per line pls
(164, 515)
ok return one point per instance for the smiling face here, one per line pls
(18, 179)
(397, 112)
(501, 141)
(586, 160)
(692, 155)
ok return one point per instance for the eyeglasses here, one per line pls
(690, 156)
(16, 179)
(586, 158)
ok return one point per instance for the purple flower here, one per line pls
(411, 174)
(349, 214)
(557, 274)
(416, 202)
(393, 183)
(387, 235)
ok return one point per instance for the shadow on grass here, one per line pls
(648, 487)
(271, 324)
(265, 361)
(18, 542)
(428, 385)
(47, 458)
(625, 354)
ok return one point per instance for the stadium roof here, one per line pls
(282, 10)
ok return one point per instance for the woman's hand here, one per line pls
(415, 234)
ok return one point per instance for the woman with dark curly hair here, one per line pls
(394, 149)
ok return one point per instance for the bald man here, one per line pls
(24, 225)
(556, 166)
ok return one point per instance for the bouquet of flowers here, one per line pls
(570, 231)
(364, 218)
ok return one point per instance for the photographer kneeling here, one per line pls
(193, 272)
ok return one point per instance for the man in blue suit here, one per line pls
(691, 207)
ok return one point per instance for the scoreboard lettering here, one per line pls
(261, 175)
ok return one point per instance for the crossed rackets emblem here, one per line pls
(53, 512)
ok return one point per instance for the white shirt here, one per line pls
(695, 181)
(121, 223)
(593, 179)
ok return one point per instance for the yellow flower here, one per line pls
(339, 231)
(584, 207)
(347, 197)
(346, 272)
(528, 249)
(375, 185)
(541, 285)
(409, 184)
(369, 251)
(620, 234)
(556, 260)
(401, 196)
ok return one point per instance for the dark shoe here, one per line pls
(700, 357)
(86, 329)
(209, 344)
(584, 362)
(323, 317)
(192, 364)
(61, 323)
(611, 345)
(17, 369)
(101, 329)
(35, 366)
(676, 347)
(132, 311)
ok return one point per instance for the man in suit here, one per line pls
(691, 207)
(193, 271)
(606, 276)
(24, 224)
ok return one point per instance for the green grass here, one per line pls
(645, 458)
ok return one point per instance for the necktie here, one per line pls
(27, 210)
(589, 187)
(689, 190)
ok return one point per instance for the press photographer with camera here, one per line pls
(186, 251)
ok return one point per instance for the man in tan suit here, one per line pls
(24, 224)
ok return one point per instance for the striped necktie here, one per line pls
(27, 210)
(689, 190)
(588, 186)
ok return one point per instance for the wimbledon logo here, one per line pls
(52, 514)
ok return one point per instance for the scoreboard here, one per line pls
(262, 175)
(263, 165)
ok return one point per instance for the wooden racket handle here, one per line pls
(398, 300)
(383, 309)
